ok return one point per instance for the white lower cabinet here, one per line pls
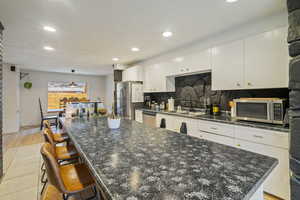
(278, 182)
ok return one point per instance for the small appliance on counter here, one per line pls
(171, 106)
(267, 110)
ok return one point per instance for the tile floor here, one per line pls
(22, 163)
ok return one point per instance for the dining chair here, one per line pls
(47, 117)
(67, 179)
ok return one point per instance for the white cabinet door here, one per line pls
(198, 62)
(266, 60)
(155, 78)
(278, 181)
(139, 116)
(228, 66)
(134, 73)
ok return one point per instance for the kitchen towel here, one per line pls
(295, 188)
(294, 26)
(293, 5)
(294, 82)
(295, 166)
(294, 48)
(295, 137)
(294, 103)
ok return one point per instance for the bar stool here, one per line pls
(67, 179)
(57, 137)
(51, 193)
(62, 153)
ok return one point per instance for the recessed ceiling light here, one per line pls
(167, 34)
(135, 49)
(115, 59)
(231, 1)
(178, 59)
(49, 28)
(48, 48)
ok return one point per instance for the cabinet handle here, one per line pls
(258, 136)
(214, 128)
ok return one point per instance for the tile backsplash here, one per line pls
(194, 90)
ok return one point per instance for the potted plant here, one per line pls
(113, 120)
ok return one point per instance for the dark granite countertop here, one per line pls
(226, 119)
(138, 162)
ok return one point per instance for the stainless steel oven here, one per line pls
(267, 110)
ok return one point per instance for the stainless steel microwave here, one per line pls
(267, 110)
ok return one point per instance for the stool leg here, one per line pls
(44, 186)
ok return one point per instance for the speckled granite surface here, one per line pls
(228, 120)
(138, 162)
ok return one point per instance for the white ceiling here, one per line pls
(91, 32)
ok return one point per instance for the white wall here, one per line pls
(232, 34)
(11, 100)
(109, 82)
(30, 113)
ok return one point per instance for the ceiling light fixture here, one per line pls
(167, 34)
(115, 59)
(231, 1)
(135, 49)
(49, 29)
(48, 48)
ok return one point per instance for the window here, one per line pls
(59, 93)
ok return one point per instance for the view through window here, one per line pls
(59, 93)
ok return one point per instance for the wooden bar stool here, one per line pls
(51, 193)
(57, 137)
(67, 179)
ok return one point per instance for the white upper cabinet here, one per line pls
(228, 66)
(133, 74)
(266, 60)
(260, 61)
(195, 62)
(155, 79)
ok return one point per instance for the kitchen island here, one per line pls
(139, 162)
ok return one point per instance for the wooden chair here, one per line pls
(67, 179)
(47, 117)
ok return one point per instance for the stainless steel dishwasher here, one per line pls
(149, 118)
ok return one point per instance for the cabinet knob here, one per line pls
(238, 84)
(249, 84)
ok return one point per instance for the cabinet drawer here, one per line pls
(217, 128)
(219, 139)
(273, 138)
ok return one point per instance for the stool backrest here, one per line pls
(52, 168)
(48, 136)
(47, 124)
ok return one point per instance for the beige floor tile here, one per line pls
(16, 171)
(18, 184)
(27, 194)
(9, 157)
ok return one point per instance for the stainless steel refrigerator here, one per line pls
(129, 96)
